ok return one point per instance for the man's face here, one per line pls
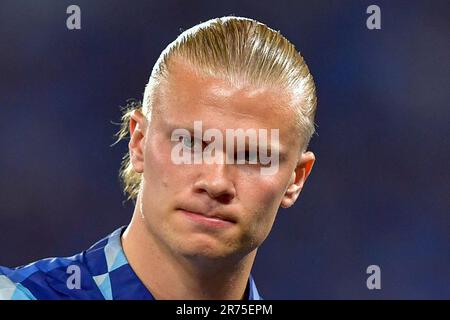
(215, 210)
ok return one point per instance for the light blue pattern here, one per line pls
(13, 291)
(104, 284)
(115, 257)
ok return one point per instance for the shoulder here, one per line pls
(52, 278)
(23, 282)
(55, 278)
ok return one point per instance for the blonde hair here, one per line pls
(238, 49)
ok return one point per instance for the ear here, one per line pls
(138, 125)
(298, 178)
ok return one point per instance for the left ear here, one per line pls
(298, 178)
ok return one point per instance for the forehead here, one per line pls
(187, 96)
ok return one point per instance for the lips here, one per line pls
(213, 217)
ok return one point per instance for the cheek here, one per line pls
(262, 198)
(159, 182)
(266, 193)
(157, 159)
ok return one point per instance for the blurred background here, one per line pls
(379, 191)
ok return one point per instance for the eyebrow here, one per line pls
(173, 125)
(189, 126)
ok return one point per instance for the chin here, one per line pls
(209, 249)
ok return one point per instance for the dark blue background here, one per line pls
(378, 194)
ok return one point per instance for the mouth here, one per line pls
(214, 220)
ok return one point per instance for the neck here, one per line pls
(170, 276)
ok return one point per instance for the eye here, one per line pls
(189, 142)
(251, 157)
(247, 156)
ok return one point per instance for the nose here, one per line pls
(214, 181)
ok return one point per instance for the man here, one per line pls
(197, 224)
